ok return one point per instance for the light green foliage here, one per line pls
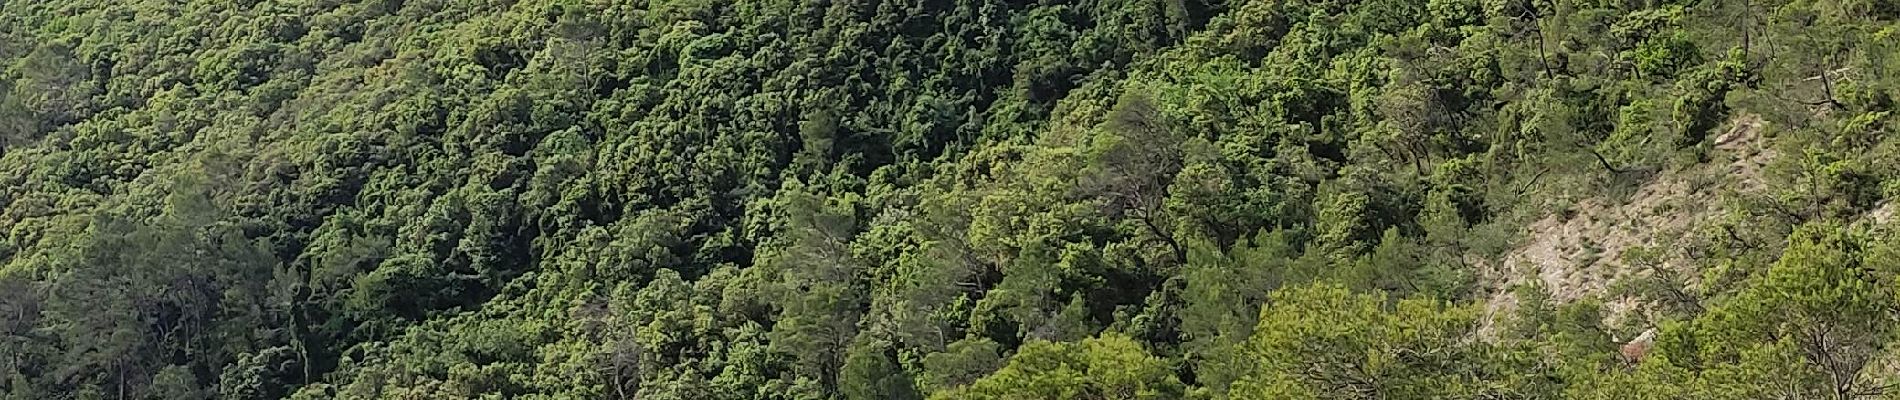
(1222, 295)
(1109, 367)
(962, 363)
(1327, 342)
(1813, 325)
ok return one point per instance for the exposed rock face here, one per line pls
(1638, 347)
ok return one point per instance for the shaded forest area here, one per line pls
(946, 199)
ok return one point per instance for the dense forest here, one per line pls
(949, 199)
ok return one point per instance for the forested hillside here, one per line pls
(949, 199)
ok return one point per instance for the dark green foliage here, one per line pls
(774, 199)
(870, 373)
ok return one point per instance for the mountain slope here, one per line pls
(947, 199)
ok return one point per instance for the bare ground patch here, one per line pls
(1579, 252)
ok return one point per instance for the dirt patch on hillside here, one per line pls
(1578, 252)
(1882, 215)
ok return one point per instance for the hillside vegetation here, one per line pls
(949, 199)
